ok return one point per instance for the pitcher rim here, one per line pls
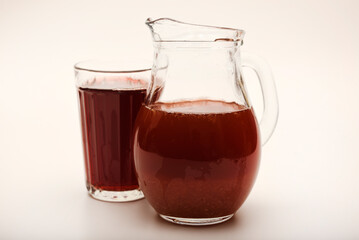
(149, 22)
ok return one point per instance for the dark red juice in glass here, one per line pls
(196, 159)
(108, 112)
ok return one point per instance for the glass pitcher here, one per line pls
(197, 143)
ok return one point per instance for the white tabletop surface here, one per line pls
(308, 183)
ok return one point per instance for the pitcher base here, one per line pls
(196, 221)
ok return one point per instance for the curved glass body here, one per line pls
(196, 141)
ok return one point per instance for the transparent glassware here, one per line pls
(110, 94)
(197, 143)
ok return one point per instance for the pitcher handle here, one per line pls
(269, 93)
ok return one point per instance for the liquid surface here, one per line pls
(198, 107)
(196, 159)
(107, 122)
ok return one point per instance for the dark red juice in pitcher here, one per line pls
(108, 112)
(196, 159)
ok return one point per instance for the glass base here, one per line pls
(196, 221)
(115, 196)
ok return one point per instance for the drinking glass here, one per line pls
(110, 94)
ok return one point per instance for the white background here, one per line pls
(307, 187)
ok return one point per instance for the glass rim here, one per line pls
(84, 66)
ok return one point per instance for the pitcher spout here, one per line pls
(170, 30)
